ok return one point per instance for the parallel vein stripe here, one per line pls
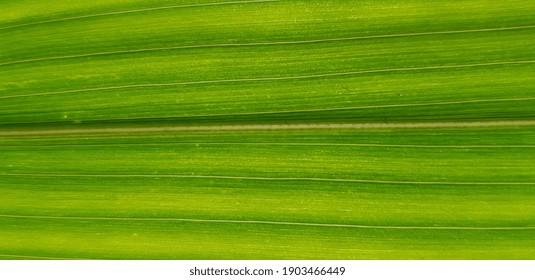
(268, 43)
(269, 223)
(136, 11)
(326, 75)
(314, 110)
(258, 178)
(279, 144)
(358, 107)
(319, 110)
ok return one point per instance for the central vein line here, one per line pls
(111, 130)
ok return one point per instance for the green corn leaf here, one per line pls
(265, 129)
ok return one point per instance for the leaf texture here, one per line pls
(265, 129)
